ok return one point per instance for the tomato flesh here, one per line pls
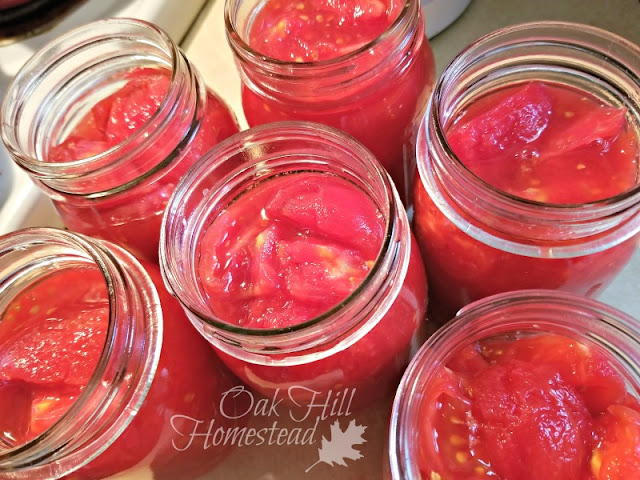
(289, 250)
(618, 455)
(312, 30)
(526, 408)
(547, 143)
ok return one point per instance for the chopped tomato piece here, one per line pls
(600, 125)
(531, 424)
(517, 120)
(15, 412)
(289, 249)
(584, 368)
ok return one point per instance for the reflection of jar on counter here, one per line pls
(100, 372)
(292, 254)
(529, 164)
(366, 71)
(530, 384)
(107, 119)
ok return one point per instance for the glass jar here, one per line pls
(570, 343)
(376, 93)
(150, 375)
(106, 119)
(361, 345)
(478, 240)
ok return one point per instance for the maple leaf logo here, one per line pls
(340, 446)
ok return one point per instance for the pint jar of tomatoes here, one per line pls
(100, 371)
(290, 251)
(522, 385)
(107, 119)
(365, 68)
(529, 164)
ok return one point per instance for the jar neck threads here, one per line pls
(59, 85)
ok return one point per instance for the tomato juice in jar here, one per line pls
(364, 67)
(100, 370)
(529, 164)
(291, 252)
(522, 386)
(107, 119)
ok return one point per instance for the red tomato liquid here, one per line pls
(132, 218)
(291, 249)
(539, 142)
(527, 408)
(309, 31)
(51, 338)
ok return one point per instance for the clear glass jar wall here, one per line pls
(478, 236)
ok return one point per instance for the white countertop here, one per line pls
(206, 46)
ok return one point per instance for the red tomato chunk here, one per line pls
(547, 143)
(289, 250)
(308, 31)
(527, 408)
(51, 338)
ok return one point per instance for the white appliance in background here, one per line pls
(21, 203)
(439, 14)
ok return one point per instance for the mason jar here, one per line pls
(375, 92)
(525, 222)
(106, 119)
(299, 184)
(101, 373)
(521, 384)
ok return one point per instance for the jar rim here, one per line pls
(57, 52)
(464, 327)
(85, 446)
(391, 252)
(238, 43)
(534, 28)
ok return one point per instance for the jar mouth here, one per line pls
(583, 319)
(181, 238)
(52, 72)
(454, 69)
(242, 47)
(49, 247)
(512, 56)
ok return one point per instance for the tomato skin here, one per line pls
(618, 455)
